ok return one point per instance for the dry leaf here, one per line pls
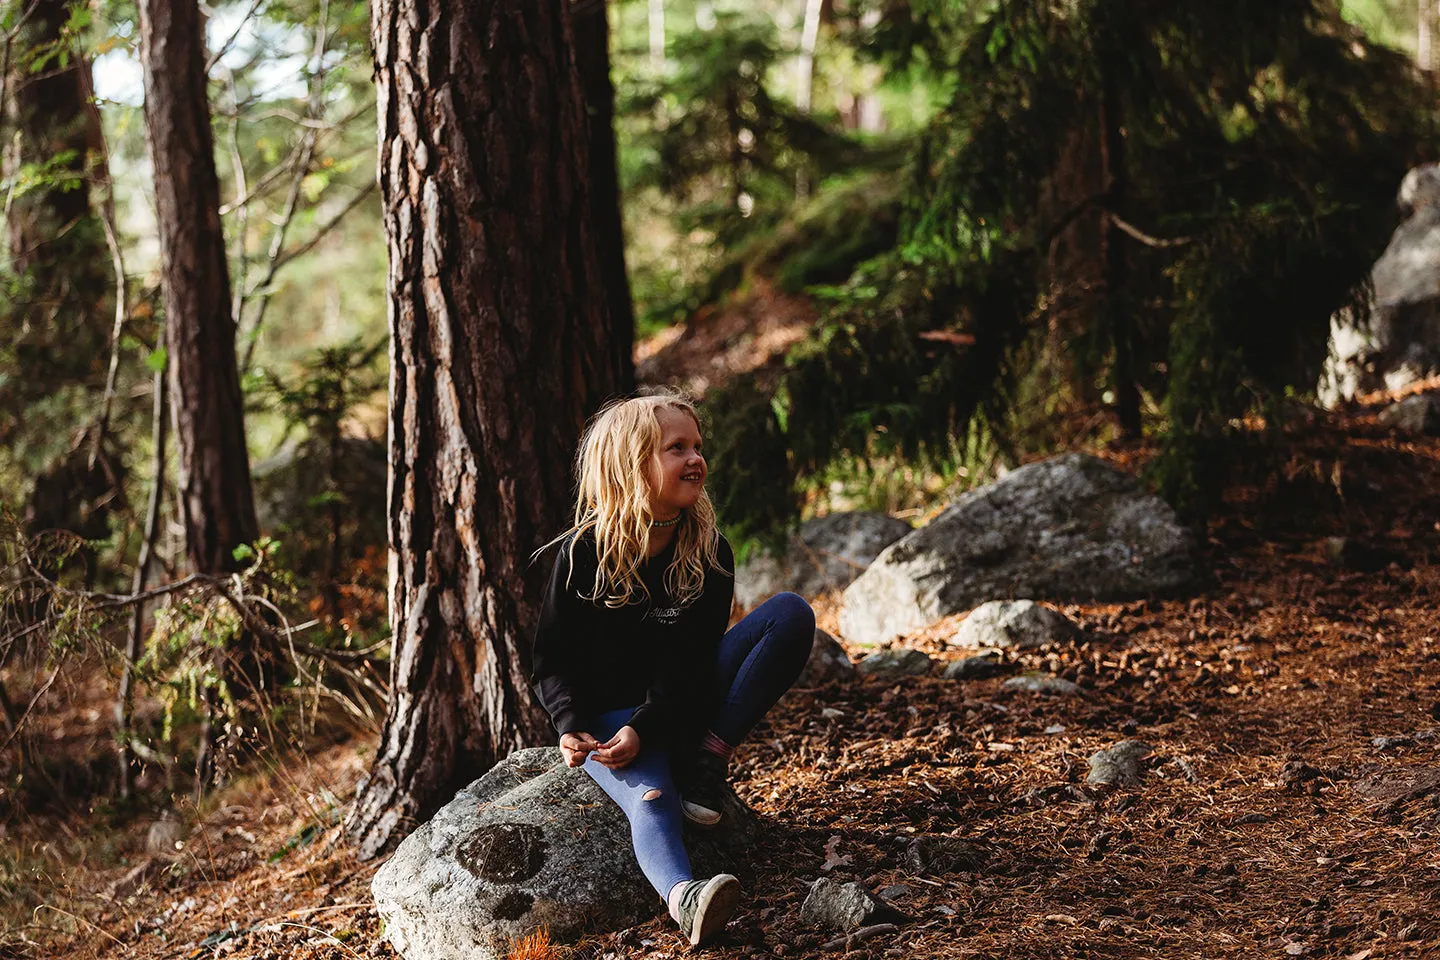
(833, 858)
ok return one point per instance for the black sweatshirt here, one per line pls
(589, 658)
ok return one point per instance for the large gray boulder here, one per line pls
(1401, 342)
(1069, 528)
(826, 553)
(531, 844)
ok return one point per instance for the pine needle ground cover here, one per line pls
(1291, 807)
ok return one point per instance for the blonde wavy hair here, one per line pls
(613, 504)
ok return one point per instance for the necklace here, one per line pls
(668, 523)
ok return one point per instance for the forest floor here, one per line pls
(1291, 808)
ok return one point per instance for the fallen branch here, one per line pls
(858, 936)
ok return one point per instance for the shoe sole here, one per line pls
(717, 903)
(707, 819)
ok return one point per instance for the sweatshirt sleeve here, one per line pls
(554, 655)
(682, 682)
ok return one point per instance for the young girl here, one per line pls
(646, 688)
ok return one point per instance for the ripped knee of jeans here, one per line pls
(651, 795)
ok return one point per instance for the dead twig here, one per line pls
(44, 689)
(125, 698)
(846, 942)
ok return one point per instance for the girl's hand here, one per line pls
(620, 749)
(574, 746)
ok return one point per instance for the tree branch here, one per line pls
(225, 47)
(1145, 238)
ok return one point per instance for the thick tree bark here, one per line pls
(216, 502)
(592, 56)
(499, 351)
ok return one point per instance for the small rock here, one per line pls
(1014, 625)
(1417, 414)
(828, 663)
(1119, 765)
(979, 667)
(164, 835)
(895, 663)
(1036, 683)
(941, 855)
(896, 891)
(844, 906)
(1387, 743)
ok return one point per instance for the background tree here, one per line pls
(592, 56)
(500, 350)
(1240, 194)
(57, 278)
(216, 505)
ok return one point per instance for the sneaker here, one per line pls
(701, 789)
(706, 906)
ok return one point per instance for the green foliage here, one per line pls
(847, 223)
(1250, 153)
(713, 135)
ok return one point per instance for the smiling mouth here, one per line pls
(692, 477)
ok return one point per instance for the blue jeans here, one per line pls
(759, 658)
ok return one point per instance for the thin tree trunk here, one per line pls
(805, 80)
(657, 34)
(809, 35)
(1424, 55)
(1120, 324)
(592, 56)
(125, 700)
(215, 502)
(499, 351)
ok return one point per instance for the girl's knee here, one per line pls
(658, 807)
(791, 610)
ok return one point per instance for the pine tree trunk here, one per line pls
(1121, 325)
(499, 351)
(592, 56)
(55, 331)
(216, 502)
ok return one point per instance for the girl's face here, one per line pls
(678, 479)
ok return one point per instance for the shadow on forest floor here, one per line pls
(1292, 806)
